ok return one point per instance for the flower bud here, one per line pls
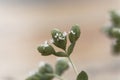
(61, 66)
(46, 49)
(74, 33)
(115, 18)
(44, 71)
(116, 32)
(45, 68)
(59, 39)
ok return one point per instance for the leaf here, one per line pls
(45, 51)
(59, 39)
(70, 49)
(74, 33)
(43, 72)
(60, 54)
(82, 76)
(61, 66)
(115, 18)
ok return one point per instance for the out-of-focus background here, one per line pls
(24, 24)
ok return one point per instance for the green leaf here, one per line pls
(46, 50)
(82, 76)
(115, 32)
(115, 18)
(70, 49)
(61, 66)
(59, 39)
(74, 33)
(44, 70)
(60, 54)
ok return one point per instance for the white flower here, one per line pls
(72, 32)
(60, 36)
(64, 33)
(45, 44)
(56, 35)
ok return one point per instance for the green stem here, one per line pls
(57, 76)
(75, 69)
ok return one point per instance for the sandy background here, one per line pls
(24, 25)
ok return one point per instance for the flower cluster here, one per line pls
(46, 72)
(113, 31)
(59, 39)
(45, 49)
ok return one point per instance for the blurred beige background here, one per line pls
(24, 25)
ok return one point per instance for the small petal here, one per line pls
(64, 33)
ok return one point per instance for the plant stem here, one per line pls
(57, 76)
(75, 69)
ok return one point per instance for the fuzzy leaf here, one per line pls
(60, 54)
(59, 39)
(82, 76)
(44, 71)
(115, 19)
(61, 66)
(74, 33)
(45, 51)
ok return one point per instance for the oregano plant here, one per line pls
(60, 40)
(113, 31)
